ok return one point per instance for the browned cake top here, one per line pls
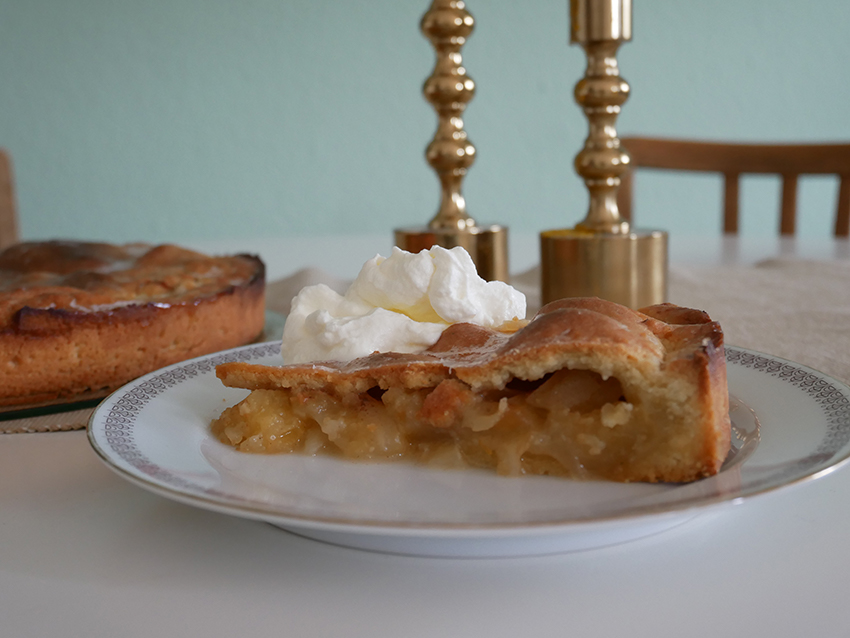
(591, 329)
(91, 277)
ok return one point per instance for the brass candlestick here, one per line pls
(602, 256)
(447, 24)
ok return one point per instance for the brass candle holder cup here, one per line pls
(602, 256)
(447, 24)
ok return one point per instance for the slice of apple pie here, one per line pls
(588, 389)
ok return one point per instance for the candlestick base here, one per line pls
(487, 245)
(629, 268)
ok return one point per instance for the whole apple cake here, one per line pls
(80, 319)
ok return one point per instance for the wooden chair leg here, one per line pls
(789, 205)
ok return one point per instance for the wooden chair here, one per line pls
(8, 213)
(732, 160)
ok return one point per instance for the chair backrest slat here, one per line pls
(789, 205)
(624, 195)
(8, 213)
(842, 214)
(731, 183)
(732, 160)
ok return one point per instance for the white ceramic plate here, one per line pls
(790, 423)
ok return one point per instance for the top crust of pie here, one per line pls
(606, 337)
(79, 319)
(666, 356)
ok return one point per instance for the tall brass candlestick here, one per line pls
(447, 24)
(602, 256)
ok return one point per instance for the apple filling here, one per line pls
(569, 423)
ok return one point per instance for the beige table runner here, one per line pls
(795, 309)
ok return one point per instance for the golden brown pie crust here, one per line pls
(80, 319)
(655, 380)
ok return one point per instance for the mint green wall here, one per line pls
(205, 119)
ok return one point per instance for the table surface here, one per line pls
(85, 553)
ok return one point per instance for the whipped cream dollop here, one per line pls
(401, 303)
